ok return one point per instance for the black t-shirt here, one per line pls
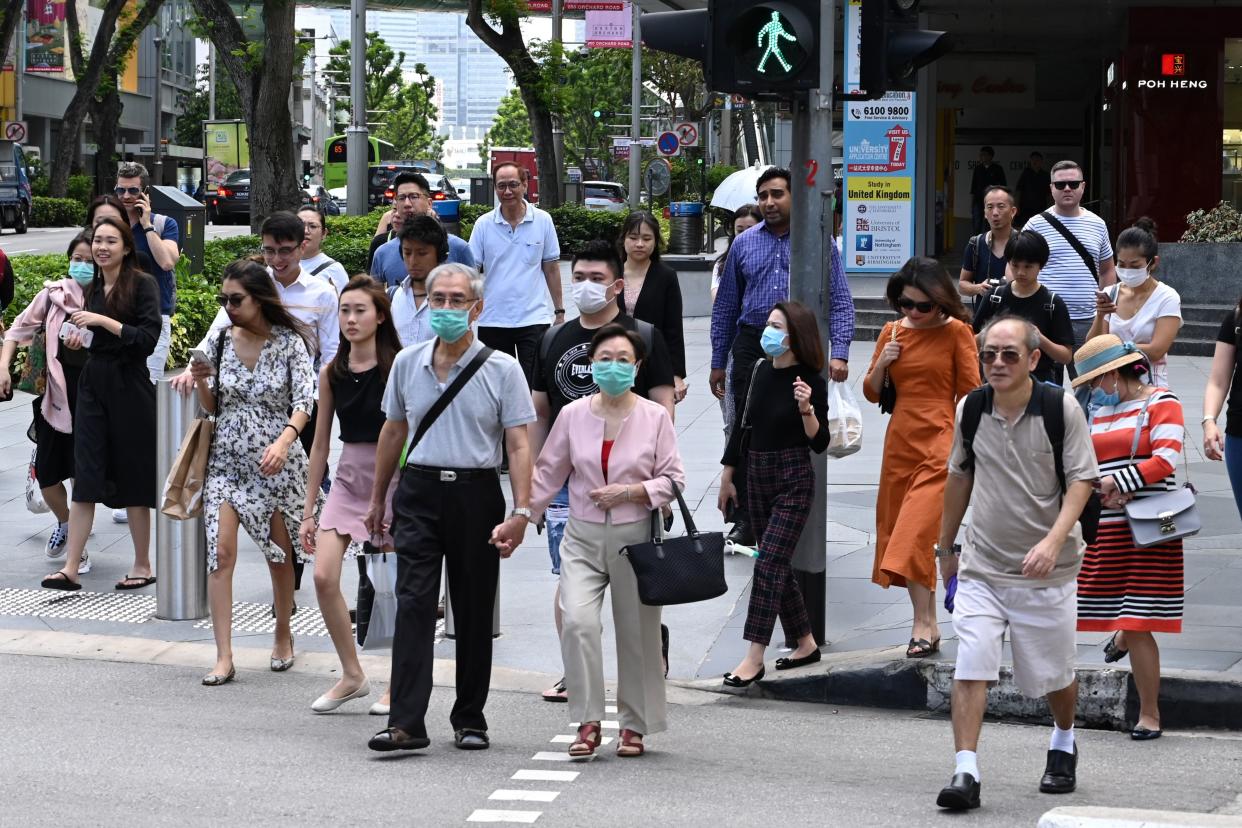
(774, 420)
(565, 375)
(1043, 309)
(1233, 411)
(358, 400)
(992, 267)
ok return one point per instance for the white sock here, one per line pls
(1062, 739)
(967, 762)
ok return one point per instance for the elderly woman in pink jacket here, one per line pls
(53, 411)
(619, 452)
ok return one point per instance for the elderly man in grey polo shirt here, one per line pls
(448, 498)
(1019, 566)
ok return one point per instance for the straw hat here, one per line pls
(1102, 354)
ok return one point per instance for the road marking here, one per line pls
(22, 250)
(485, 815)
(524, 796)
(610, 708)
(557, 756)
(569, 740)
(545, 776)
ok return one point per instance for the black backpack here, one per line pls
(980, 400)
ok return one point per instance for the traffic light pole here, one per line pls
(810, 237)
(356, 150)
(636, 99)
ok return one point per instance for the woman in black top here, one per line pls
(652, 292)
(114, 455)
(787, 413)
(1224, 383)
(352, 385)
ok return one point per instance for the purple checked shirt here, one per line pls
(756, 277)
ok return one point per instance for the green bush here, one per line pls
(81, 188)
(196, 307)
(1220, 224)
(355, 225)
(57, 212)
(577, 225)
(217, 253)
(470, 213)
(350, 250)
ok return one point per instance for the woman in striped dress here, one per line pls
(1130, 590)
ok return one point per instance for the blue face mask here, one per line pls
(1101, 398)
(82, 272)
(448, 324)
(613, 378)
(773, 342)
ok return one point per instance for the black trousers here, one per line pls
(522, 343)
(435, 524)
(746, 351)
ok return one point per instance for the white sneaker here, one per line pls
(57, 540)
(119, 516)
(85, 566)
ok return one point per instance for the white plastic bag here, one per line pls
(35, 503)
(844, 421)
(382, 573)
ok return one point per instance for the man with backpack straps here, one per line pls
(1022, 552)
(983, 260)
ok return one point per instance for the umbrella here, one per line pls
(738, 188)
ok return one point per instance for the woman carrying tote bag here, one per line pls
(619, 453)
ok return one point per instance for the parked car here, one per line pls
(15, 193)
(604, 195)
(340, 197)
(380, 179)
(231, 202)
(317, 195)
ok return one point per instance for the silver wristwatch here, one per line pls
(521, 511)
(941, 552)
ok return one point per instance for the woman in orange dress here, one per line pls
(930, 359)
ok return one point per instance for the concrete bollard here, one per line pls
(180, 545)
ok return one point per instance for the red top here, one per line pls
(603, 457)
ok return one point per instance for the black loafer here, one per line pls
(466, 739)
(731, 680)
(394, 738)
(790, 663)
(961, 794)
(742, 534)
(1061, 772)
(1143, 734)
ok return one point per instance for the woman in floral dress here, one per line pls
(256, 477)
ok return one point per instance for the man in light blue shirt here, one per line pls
(412, 198)
(515, 246)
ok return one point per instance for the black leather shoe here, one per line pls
(961, 794)
(731, 680)
(471, 739)
(742, 534)
(1143, 734)
(394, 738)
(1061, 772)
(790, 663)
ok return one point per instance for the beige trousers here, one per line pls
(591, 561)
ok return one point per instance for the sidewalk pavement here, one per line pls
(867, 626)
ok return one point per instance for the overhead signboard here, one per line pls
(607, 29)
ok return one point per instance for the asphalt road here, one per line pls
(56, 239)
(136, 744)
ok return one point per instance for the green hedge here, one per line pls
(57, 212)
(217, 253)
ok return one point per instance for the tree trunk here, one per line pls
(10, 14)
(105, 120)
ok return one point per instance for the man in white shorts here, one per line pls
(1023, 548)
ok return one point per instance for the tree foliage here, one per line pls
(384, 82)
(196, 106)
(10, 14)
(511, 127)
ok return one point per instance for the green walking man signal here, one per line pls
(774, 32)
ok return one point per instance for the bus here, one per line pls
(336, 156)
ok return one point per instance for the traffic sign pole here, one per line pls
(636, 99)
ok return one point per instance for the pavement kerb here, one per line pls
(1107, 698)
(1095, 817)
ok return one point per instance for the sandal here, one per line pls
(557, 692)
(59, 580)
(922, 648)
(134, 582)
(587, 741)
(1112, 652)
(630, 744)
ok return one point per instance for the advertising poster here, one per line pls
(879, 171)
(225, 150)
(45, 36)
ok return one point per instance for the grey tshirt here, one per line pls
(469, 432)
(1016, 497)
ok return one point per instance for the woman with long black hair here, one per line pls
(352, 386)
(652, 292)
(260, 386)
(114, 455)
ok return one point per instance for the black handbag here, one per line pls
(678, 570)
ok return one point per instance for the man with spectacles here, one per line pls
(1022, 552)
(516, 247)
(448, 495)
(1080, 257)
(412, 197)
(157, 236)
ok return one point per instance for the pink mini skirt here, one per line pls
(346, 510)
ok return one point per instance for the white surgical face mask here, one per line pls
(1132, 276)
(590, 297)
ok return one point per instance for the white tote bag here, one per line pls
(382, 572)
(844, 421)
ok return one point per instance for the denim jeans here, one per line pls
(1233, 465)
(555, 519)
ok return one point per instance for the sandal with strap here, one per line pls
(588, 740)
(1112, 652)
(922, 648)
(630, 744)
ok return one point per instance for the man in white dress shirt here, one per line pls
(424, 246)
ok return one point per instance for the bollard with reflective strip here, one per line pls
(180, 545)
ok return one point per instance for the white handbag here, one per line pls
(1167, 516)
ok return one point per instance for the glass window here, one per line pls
(1231, 145)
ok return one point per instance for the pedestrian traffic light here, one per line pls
(893, 48)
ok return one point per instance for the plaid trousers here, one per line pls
(779, 498)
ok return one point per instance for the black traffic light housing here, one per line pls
(894, 48)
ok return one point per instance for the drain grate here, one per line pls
(78, 606)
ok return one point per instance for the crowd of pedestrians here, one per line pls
(452, 364)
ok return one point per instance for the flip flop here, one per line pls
(138, 582)
(59, 580)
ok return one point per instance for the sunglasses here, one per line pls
(1073, 185)
(124, 191)
(910, 304)
(232, 300)
(988, 356)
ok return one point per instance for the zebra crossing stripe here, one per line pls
(545, 776)
(488, 815)
(524, 796)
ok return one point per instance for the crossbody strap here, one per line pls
(1138, 433)
(442, 402)
(323, 267)
(749, 392)
(219, 359)
(1073, 242)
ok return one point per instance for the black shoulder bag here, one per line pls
(678, 570)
